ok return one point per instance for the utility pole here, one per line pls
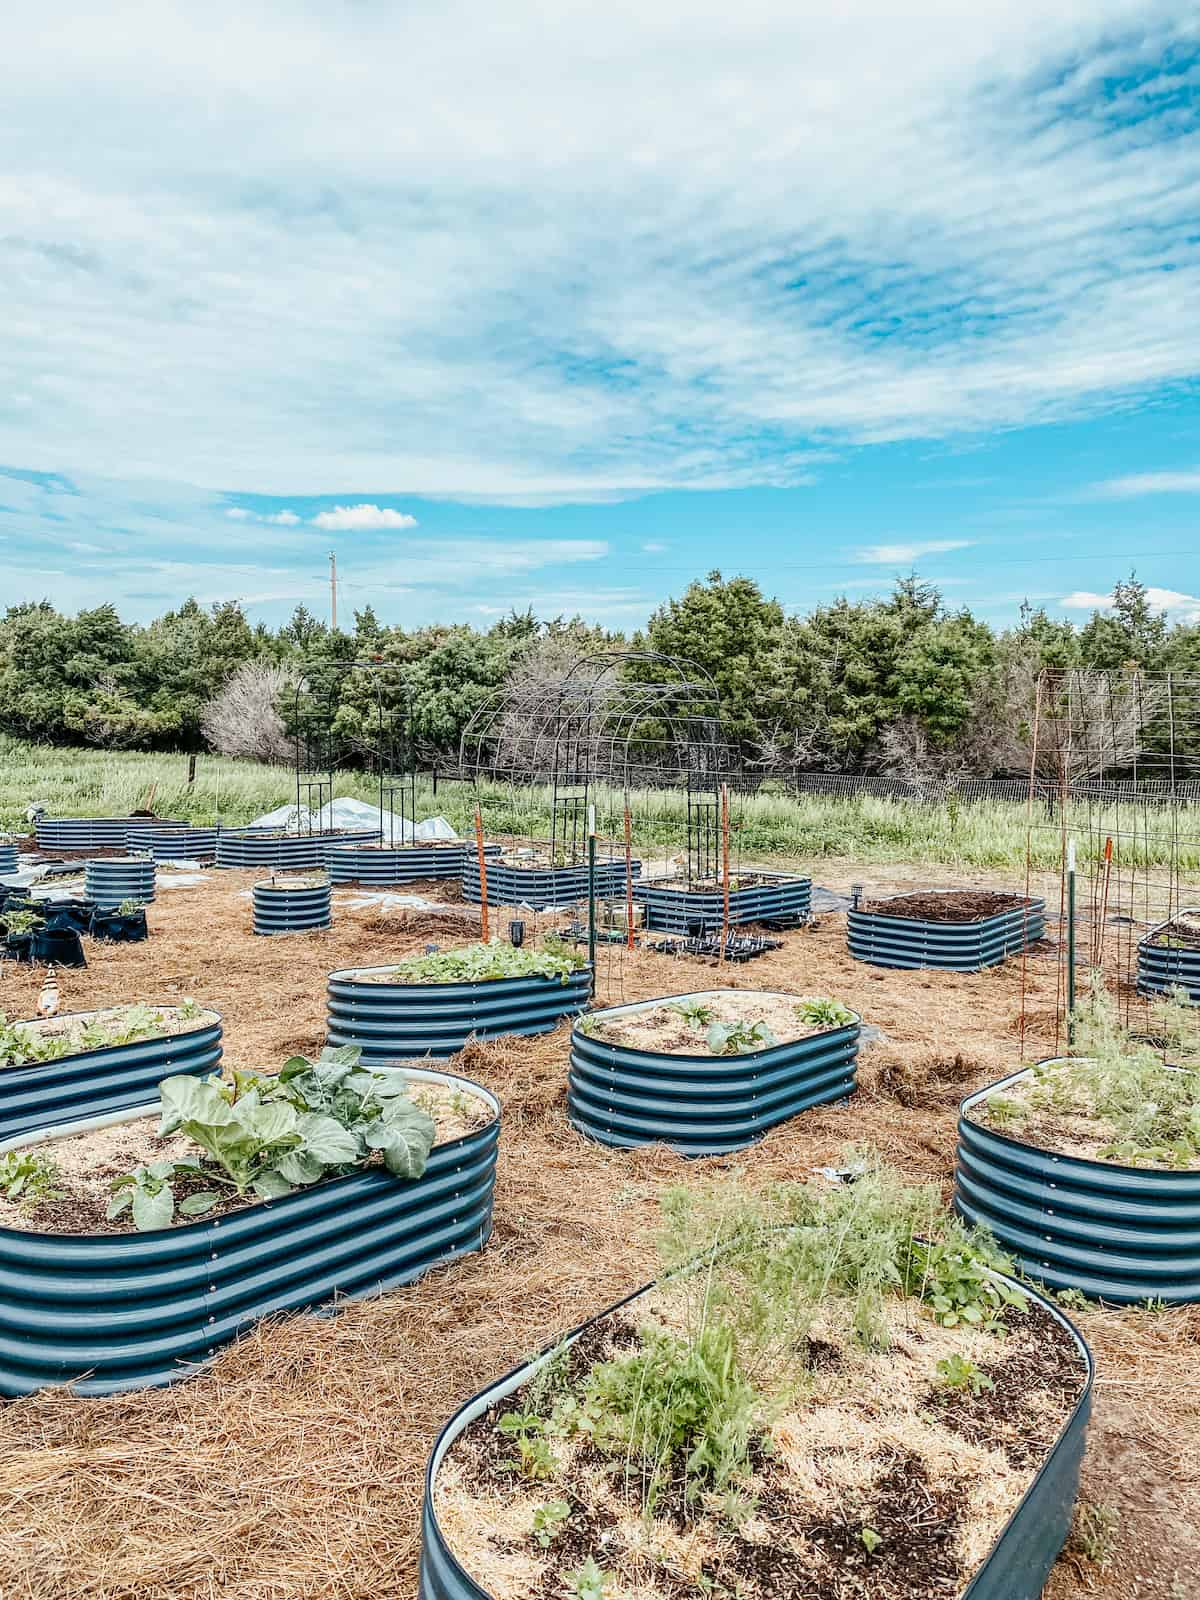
(333, 590)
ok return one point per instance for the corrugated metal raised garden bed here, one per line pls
(385, 865)
(112, 1309)
(292, 905)
(958, 930)
(679, 907)
(1169, 957)
(1124, 1227)
(510, 883)
(251, 847)
(530, 1487)
(113, 880)
(431, 1005)
(90, 1063)
(83, 833)
(709, 1072)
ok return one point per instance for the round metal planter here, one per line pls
(115, 1312)
(8, 856)
(108, 882)
(701, 1105)
(284, 908)
(1124, 1234)
(250, 848)
(1015, 1568)
(95, 1083)
(409, 1021)
(182, 844)
(82, 833)
(885, 941)
(1161, 968)
(407, 863)
(674, 908)
(540, 887)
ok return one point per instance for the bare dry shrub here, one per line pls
(244, 719)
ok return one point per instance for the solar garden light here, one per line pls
(516, 933)
(856, 894)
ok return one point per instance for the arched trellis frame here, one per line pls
(382, 744)
(616, 721)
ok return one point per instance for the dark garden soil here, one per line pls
(1182, 934)
(958, 905)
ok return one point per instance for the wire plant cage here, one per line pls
(607, 726)
(1114, 789)
(353, 714)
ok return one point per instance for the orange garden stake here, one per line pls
(628, 882)
(724, 868)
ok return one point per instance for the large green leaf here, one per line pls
(404, 1135)
(327, 1140)
(152, 1210)
(188, 1099)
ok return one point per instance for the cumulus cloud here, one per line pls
(362, 518)
(904, 554)
(283, 519)
(818, 226)
(1177, 606)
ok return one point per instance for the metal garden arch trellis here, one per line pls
(384, 745)
(616, 721)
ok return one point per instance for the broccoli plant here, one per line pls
(738, 1038)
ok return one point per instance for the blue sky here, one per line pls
(562, 307)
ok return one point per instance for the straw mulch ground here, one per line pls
(292, 1469)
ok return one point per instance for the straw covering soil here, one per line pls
(875, 1441)
(668, 1030)
(292, 1469)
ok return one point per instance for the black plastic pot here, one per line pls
(70, 914)
(119, 928)
(60, 947)
(19, 947)
(127, 1311)
(1015, 1568)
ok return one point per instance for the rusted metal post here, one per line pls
(483, 900)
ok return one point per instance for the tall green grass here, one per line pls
(867, 829)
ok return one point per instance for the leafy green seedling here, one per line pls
(870, 1539)
(28, 1177)
(738, 1038)
(694, 1012)
(549, 1520)
(959, 1372)
(590, 1582)
(820, 1012)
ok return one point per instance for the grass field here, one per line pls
(979, 834)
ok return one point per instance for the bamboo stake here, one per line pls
(483, 899)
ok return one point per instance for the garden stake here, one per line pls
(628, 882)
(1070, 942)
(483, 903)
(1098, 958)
(724, 869)
(591, 826)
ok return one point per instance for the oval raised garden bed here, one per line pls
(292, 905)
(182, 844)
(385, 865)
(961, 930)
(117, 1311)
(623, 1091)
(538, 1485)
(115, 879)
(251, 847)
(676, 906)
(82, 833)
(94, 1078)
(1169, 957)
(1109, 1229)
(511, 884)
(407, 1012)
(140, 832)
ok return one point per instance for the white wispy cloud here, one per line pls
(1137, 484)
(817, 228)
(1178, 607)
(904, 553)
(361, 518)
(655, 547)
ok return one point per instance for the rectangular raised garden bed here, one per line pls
(677, 907)
(113, 1312)
(1169, 957)
(956, 929)
(385, 865)
(509, 884)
